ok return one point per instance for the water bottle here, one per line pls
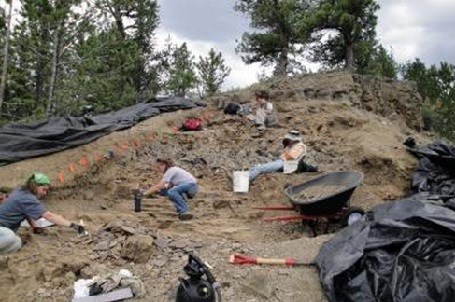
(137, 201)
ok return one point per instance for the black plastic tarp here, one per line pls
(436, 172)
(19, 142)
(402, 250)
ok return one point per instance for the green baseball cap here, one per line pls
(41, 179)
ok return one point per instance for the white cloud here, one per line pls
(399, 29)
(418, 28)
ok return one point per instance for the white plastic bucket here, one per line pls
(241, 181)
(290, 166)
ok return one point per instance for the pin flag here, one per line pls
(84, 162)
(125, 146)
(118, 149)
(137, 143)
(72, 168)
(61, 177)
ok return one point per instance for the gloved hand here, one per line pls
(79, 228)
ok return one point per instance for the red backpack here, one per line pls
(192, 124)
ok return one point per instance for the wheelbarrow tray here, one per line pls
(327, 204)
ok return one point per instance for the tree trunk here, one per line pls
(55, 57)
(281, 66)
(40, 65)
(119, 22)
(5, 56)
(349, 64)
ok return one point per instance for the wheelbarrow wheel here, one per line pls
(352, 215)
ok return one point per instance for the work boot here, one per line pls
(188, 195)
(185, 216)
(258, 134)
(261, 128)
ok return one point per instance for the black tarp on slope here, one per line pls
(19, 142)
(401, 251)
(436, 172)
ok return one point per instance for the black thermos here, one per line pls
(137, 201)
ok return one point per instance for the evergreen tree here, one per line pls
(39, 41)
(278, 34)
(437, 87)
(182, 74)
(6, 24)
(379, 63)
(136, 22)
(69, 53)
(35, 35)
(102, 72)
(426, 79)
(212, 72)
(354, 25)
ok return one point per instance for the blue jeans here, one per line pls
(273, 166)
(175, 194)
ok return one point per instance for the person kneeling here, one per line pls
(176, 183)
(23, 204)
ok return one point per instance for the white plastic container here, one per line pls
(290, 166)
(241, 181)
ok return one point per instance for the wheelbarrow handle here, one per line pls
(275, 208)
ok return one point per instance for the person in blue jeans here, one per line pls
(176, 183)
(293, 149)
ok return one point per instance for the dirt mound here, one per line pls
(340, 134)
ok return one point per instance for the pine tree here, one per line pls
(182, 74)
(426, 79)
(135, 22)
(354, 25)
(212, 72)
(5, 54)
(278, 33)
(66, 54)
(378, 63)
(437, 87)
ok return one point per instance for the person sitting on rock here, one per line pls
(265, 115)
(22, 204)
(176, 183)
(294, 150)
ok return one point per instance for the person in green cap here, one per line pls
(23, 203)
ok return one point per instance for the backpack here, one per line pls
(192, 124)
(231, 109)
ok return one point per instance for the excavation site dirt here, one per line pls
(348, 124)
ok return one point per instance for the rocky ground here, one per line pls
(154, 244)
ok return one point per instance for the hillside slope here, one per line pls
(341, 133)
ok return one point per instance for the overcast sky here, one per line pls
(410, 28)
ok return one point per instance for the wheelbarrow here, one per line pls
(332, 205)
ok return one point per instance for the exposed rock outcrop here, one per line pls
(382, 96)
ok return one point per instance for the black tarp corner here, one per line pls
(402, 250)
(19, 142)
